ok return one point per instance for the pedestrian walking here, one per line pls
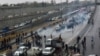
(60, 38)
(92, 42)
(77, 50)
(45, 38)
(92, 39)
(99, 34)
(85, 41)
(51, 36)
(83, 45)
(99, 31)
(78, 39)
(31, 33)
(66, 48)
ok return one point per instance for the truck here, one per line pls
(58, 44)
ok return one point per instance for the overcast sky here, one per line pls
(21, 1)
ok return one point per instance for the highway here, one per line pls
(65, 35)
(35, 28)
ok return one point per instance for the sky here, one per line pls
(21, 1)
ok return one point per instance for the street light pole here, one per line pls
(43, 43)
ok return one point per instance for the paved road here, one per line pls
(93, 32)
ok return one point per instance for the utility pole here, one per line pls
(67, 2)
(43, 43)
(67, 6)
(61, 8)
(77, 3)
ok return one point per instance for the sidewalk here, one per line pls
(93, 46)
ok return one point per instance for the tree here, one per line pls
(53, 2)
(35, 4)
(6, 5)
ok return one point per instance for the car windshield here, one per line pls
(47, 50)
(19, 50)
(48, 41)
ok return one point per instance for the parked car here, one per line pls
(20, 50)
(16, 26)
(22, 24)
(92, 55)
(48, 42)
(22, 44)
(33, 20)
(28, 22)
(3, 55)
(10, 16)
(48, 51)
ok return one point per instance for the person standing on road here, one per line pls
(83, 44)
(84, 41)
(31, 33)
(92, 42)
(51, 36)
(99, 31)
(66, 48)
(45, 38)
(78, 39)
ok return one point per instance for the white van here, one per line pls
(2, 54)
(48, 41)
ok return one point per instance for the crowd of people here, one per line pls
(77, 47)
(5, 44)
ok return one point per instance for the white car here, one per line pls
(16, 26)
(33, 20)
(17, 53)
(92, 55)
(48, 51)
(22, 24)
(2, 54)
(10, 16)
(48, 41)
(39, 18)
(27, 22)
(20, 50)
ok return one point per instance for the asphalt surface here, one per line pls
(93, 33)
